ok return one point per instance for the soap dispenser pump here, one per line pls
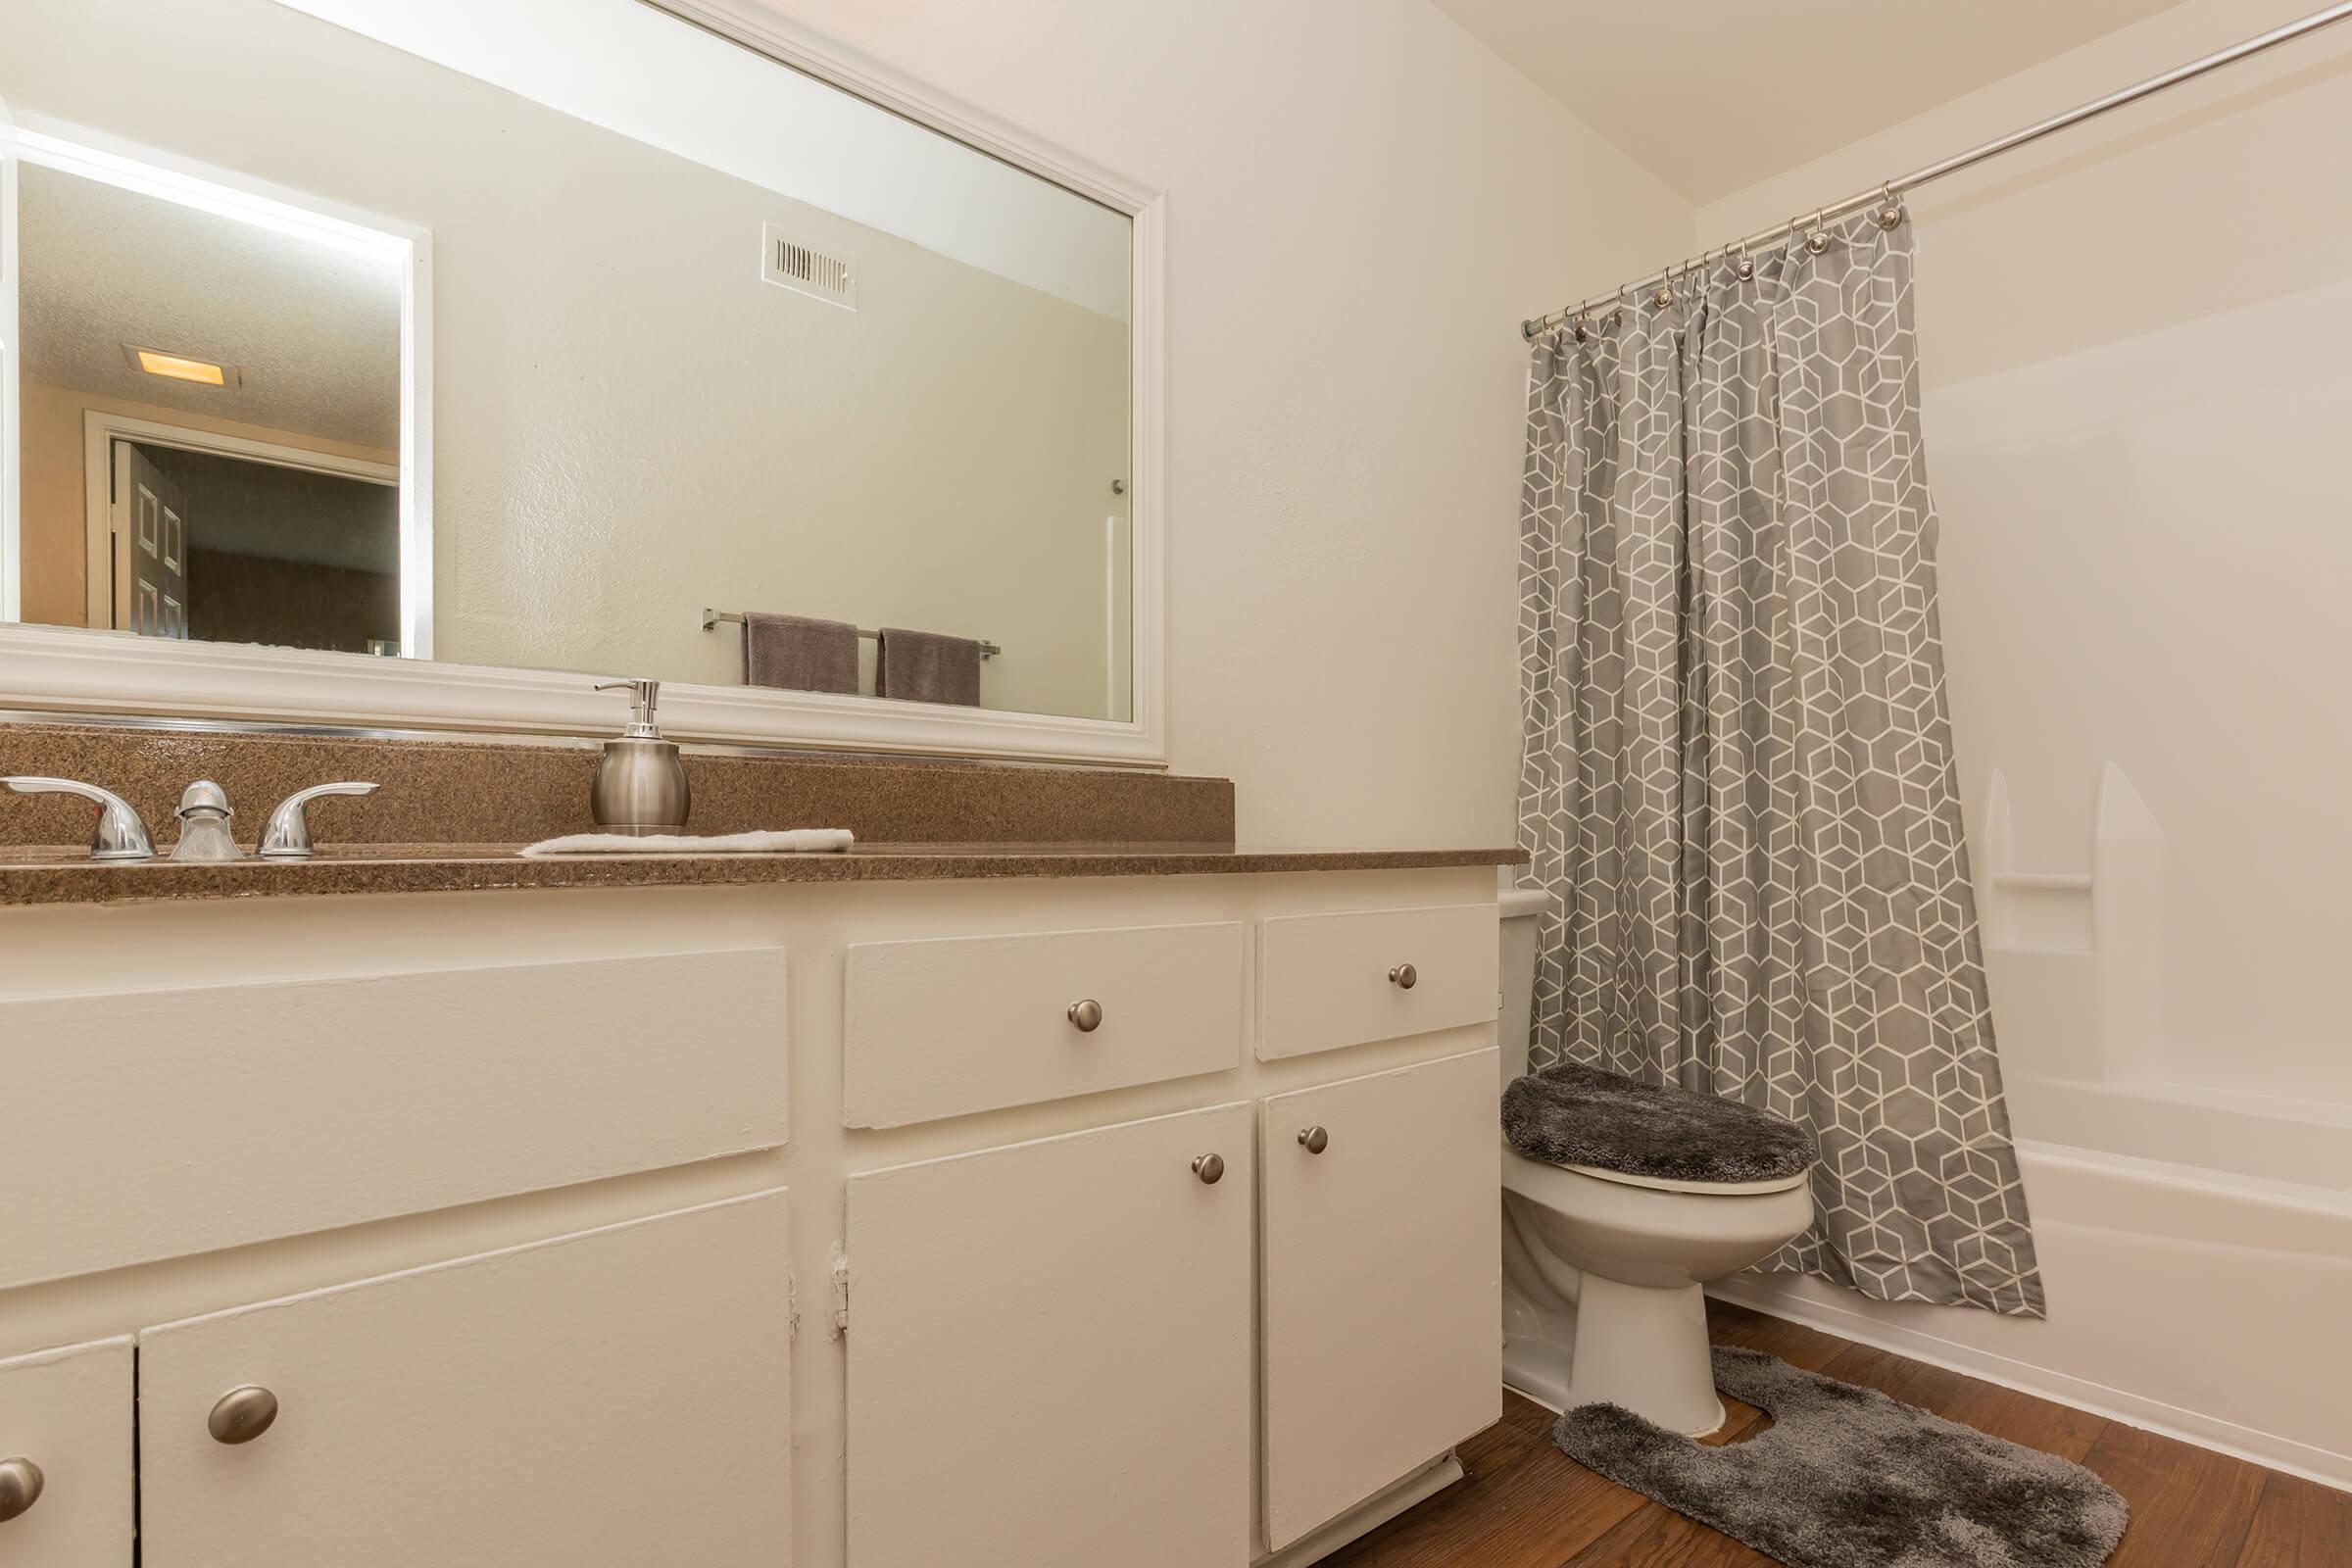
(640, 783)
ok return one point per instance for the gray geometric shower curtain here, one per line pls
(1737, 777)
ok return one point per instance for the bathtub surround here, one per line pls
(1848, 1478)
(1737, 779)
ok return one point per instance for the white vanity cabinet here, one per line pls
(1381, 1282)
(812, 1225)
(1050, 1352)
(606, 1399)
(64, 1431)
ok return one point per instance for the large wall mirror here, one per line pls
(404, 364)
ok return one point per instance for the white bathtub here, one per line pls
(2211, 1303)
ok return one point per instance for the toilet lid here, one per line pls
(1618, 1128)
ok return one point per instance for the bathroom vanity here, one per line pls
(1044, 1184)
(905, 1208)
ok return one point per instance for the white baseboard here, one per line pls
(1859, 1324)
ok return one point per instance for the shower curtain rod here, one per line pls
(1974, 155)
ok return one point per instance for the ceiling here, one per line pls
(1714, 95)
(315, 329)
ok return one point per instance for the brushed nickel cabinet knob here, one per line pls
(1211, 1169)
(19, 1487)
(1314, 1139)
(1404, 977)
(1087, 1015)
(242, 1414)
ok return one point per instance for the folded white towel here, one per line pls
(798, 841)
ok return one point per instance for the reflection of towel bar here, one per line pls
(712, 617)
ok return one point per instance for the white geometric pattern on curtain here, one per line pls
(1738, 778)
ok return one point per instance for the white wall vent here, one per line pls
(806, 268)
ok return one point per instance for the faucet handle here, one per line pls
(288, 835)
(120, 835)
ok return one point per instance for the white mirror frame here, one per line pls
(68, 670)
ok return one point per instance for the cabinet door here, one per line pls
(65, 1415)
(1383, 1312)
(607, 1400)
(1050, 1353)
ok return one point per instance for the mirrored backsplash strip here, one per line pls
(471, 791)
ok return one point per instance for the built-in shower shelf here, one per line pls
(2044, 881)
(2078, 957)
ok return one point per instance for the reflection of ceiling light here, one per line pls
(179, 367)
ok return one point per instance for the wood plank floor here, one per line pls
(1528, 1505)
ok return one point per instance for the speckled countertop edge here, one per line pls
(54, 876)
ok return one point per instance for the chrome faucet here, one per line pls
(204, 813)
(120, 833)
(204, 833)
(288, 835)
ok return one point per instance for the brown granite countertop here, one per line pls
(49, 876)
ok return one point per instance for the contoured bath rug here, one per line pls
(1848, 1478)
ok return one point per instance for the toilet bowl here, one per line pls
(1602, 1272)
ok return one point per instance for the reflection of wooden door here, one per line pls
(151, 541)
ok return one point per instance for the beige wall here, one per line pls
(2134, 345)
(54, 495)
(1363, 203)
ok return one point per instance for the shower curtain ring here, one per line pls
(1817, 241)
(1747, 268)
(1891, 214)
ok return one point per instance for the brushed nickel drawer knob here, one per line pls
(1404, 977)
(242, 1414)
(19, 1487)
(1087, 1015)
(1314, 1139)
(1211, 1169)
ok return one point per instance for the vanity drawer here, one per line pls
(1326, 981)
(954, 1025)
(156, 1124)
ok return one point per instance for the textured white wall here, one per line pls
(1363, 203)
(2133, 365)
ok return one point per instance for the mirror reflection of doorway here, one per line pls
(225, 547)
(208, 445)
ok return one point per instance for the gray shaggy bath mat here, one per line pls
(1848, 1478)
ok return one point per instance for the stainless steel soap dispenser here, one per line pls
(640, 783)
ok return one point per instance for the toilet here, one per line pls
(1603, 1271)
